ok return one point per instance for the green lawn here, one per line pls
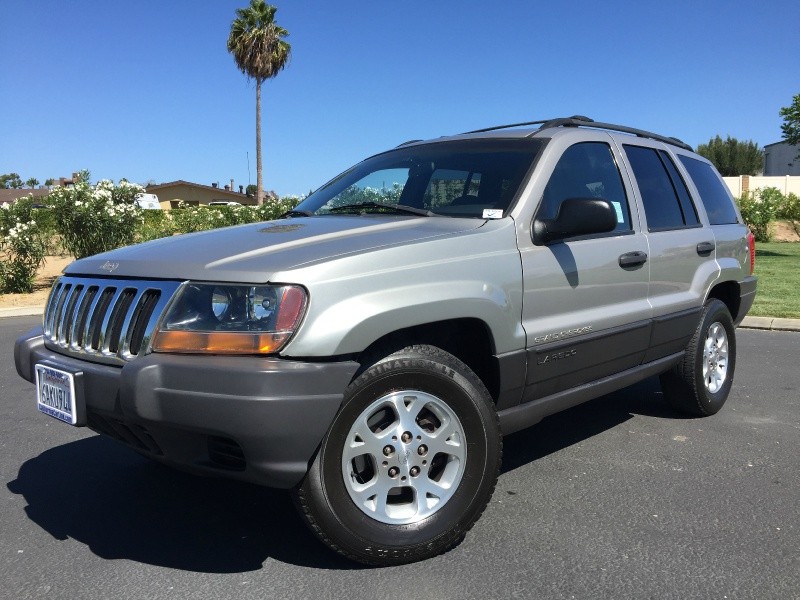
(778, 271)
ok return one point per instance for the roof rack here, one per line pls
(495, 128)
(581, 121)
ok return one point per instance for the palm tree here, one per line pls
(260, 52)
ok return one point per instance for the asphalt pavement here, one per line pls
(617, 498)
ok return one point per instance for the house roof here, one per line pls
(784, 143)
(223, 193)
(12, 195)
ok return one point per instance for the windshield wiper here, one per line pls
(398, 208)
(296, 213)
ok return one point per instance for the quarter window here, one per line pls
(586, 170)
(712, 191)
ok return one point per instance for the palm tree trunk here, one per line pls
(259, 180)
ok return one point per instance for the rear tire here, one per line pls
(410, 462)
(699, 385)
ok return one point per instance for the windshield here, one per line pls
(465, 178)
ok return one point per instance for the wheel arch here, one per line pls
(468, 339)
(729, 293)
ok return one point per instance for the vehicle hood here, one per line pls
(253, 253)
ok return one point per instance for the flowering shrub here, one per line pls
(790, 211)
(22, 246)
(188, 219)
(96, 219)
(155, 224)
(759, 209)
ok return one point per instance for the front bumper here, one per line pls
(249, 418)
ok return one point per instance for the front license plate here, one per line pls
(55, 394)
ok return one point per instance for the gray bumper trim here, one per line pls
(276, 410)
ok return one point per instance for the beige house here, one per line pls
(194, 194)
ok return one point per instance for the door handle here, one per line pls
(632, 259)
(704, 248)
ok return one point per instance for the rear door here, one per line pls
(682, 250)
(585, 308)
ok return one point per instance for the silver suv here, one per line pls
(369, 350)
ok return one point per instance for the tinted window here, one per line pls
(586, 170)
(464, 179)
(661, 205)
(712, 191)
(687, 206)
(450, 187)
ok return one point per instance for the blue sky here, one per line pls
(146, 90)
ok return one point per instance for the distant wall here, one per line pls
(787, 184)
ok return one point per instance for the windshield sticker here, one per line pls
(492, 213)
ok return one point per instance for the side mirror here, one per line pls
(576, 216)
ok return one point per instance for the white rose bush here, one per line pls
(22, 247)
(86, 219)
(94, 219)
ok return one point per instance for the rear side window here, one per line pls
(712, 191)
(687, 206)
(666, 200)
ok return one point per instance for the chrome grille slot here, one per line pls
(104, 320)
(118, 317)
(140, 318)
(95, 333)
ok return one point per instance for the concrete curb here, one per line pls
(21, 311)
(768, 323)
(771, 323)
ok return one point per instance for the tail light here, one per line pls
(751, 243)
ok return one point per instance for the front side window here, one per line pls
(470, 178)
(586, 170)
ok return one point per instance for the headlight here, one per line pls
(230, 319)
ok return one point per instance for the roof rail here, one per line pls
(542, 123)
(496, 127)
(582, 121)
(586, 122)
(407, 143)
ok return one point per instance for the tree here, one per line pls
(49, 182)
(791, 122)
(10, 181)
(32, 182)
(260, 52)
(732, 157)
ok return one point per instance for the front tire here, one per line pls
(699, 385)
(409, 463)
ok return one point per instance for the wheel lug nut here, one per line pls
(388, 450)
(406, 437)
(393, 472)
(414, 471)
(422, 450)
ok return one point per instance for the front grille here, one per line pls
(104, 320)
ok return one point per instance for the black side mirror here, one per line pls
(576, 216)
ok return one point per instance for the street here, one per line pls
(618, 498)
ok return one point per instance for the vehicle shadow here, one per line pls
(585, 421)
(122, 505)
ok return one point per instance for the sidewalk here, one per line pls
(769, 323)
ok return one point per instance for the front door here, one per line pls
(585, 301)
